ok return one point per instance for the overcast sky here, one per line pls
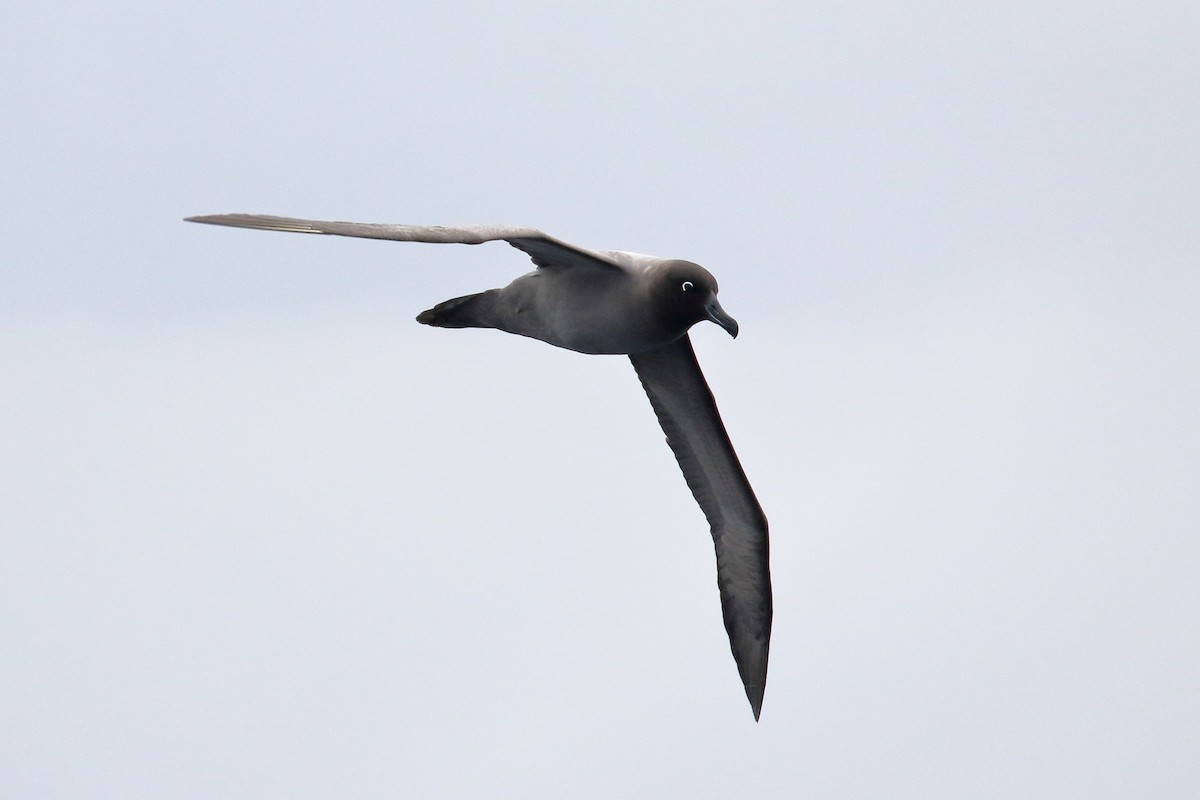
(262, 535)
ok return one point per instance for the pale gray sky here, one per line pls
(265, 536)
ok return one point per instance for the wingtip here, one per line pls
(755, 695)
(223, 219)
(212, 219)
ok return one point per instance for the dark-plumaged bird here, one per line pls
(636, 305)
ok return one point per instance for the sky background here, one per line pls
(262, 535)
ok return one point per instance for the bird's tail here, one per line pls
(470, 311)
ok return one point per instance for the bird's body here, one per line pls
(573, 307)
(616, 302)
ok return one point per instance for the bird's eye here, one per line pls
(687, 286)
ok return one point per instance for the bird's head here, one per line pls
(687, 293)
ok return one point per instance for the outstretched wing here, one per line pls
(546, 251)
(688, 415)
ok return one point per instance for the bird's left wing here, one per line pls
(688, 415)
(545, 250)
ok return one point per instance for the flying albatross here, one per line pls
(641, 306)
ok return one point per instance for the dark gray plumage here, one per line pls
(640, 306)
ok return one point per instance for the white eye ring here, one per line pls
(687, 286)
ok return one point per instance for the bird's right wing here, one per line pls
(688, 415)
(545, 250)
